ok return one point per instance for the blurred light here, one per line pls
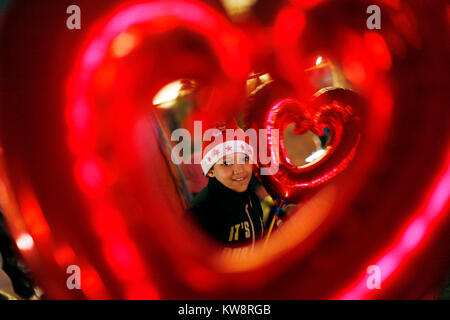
(93, 54)
(33, 215)
(379, 49)
(123, 44)
(4, 199)
(448, 13)
(88, 174)
(306, 3)
(287, 38)
(355, 71)
(80, 115)
(320, 63)
(413, 234)
(166, 97)
(121, 253)
(92, 285)
(122, 257)
(141, 291)
(392, 3)
(382, 100)
(410, 238)
(256, 82)
(64, 255)
(265, 78)
(25, 242)
(105, 77)
(288, 19)
(200, 278)
(238, 7)
(316, 155)
(319, 60)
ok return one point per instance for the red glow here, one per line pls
(114, 38)
(92, 285)
(287, 39)
(392, 3)
(89, 175)
(124, 259)
(382, 105)
(123, 44)
(410, 238)
(80, 116)
(378, 48)
(120, 254)
(200, 278)
(448, 14)
(413, 234)
(64, 255)
(355, 71)
(141, 291)
(359, 57)
(306, 3)
(111, 201)
(33, 215)
(119, 251)
(105, 77)
(289, 25)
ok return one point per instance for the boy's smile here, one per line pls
(234, 171)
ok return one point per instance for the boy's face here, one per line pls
(234, 171)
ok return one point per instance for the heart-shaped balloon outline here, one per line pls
(335, 108)
(383, 92)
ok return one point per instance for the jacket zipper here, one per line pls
(251, 223)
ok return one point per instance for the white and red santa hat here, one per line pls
(226, 138)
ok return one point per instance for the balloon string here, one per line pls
(280, 204)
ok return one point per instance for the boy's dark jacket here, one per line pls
(233, 218)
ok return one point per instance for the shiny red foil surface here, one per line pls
(83, 172)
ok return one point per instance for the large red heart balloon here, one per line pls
(86, 176)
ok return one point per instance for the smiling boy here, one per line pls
(226, 208)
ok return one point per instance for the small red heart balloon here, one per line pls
(337, 109)
(91, 187)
